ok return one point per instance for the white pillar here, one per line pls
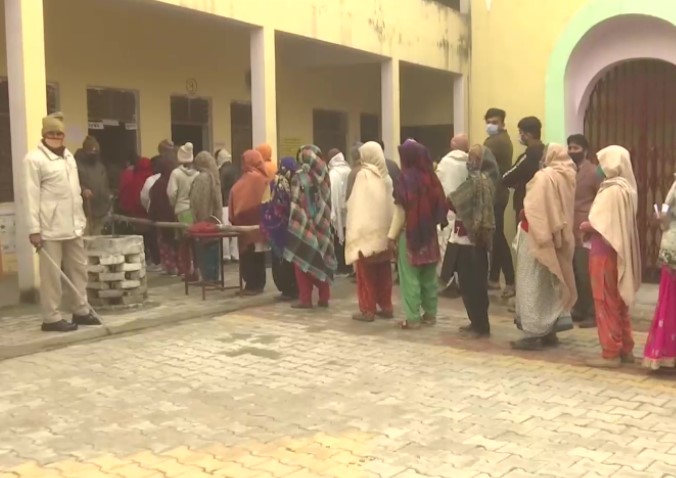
(264, 87)
(391, 107)
(459, 105)
(24, 28)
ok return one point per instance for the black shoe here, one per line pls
(550, 340)
(587, 324)
(89, 319)
(60, 326)
(469, 332)
(323, 305)
(527, 344)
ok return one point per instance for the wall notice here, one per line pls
(289, 147)
(8, 262)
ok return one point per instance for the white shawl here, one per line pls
(339, 170)
(370, 207)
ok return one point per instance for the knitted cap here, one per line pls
(165, 146)
(91, 145)
(185, 154)
(53, 124)
(223, 157)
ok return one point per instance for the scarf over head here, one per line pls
(549, 207)
(270, 165)
(473, 201)
(276, 207)
(339, 171)
(452, 170)
(206, 201)
(613, 216)
(370, 207)
(421, 195)
(245, 197)
(310, 242)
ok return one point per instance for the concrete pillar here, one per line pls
(24, 28)
(459, 105)
(391, 107)
(264, 87)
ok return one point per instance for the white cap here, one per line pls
(185, 154)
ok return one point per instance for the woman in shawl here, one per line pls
(420, 207)
(309, 243)
(161, 210)
(369, 215)
(660, 349)
(206, 203)
(545, 246)
(614, 260)
(270, 164)
(245, 210)
(276, 209)
(473, 229)
(339, 171)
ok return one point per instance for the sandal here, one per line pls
(408, 325)
(385, 314)
(359, 317)
(428, 320)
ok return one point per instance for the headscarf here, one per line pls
(370, 208)
(421, 195)
(452, 170)
(549, 207)
(613, 216)
(276, 207)
(270, 165)
(473, 200)
(339, 171)
(245, 196)
(206, 200)
(223, 156)
(310, 243)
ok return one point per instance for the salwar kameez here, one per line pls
(660, 348)
(612, 314)
(374, 287)
(306, 283)
(418, 285)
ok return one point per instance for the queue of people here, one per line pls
(576, 247)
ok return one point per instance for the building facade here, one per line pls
(606, 68)
(226, 73)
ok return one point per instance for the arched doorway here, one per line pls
(633, 105)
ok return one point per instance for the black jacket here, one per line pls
(229, 176)
(522, 172)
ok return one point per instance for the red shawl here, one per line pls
(131, 184)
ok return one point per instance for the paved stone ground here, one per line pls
(273, 392)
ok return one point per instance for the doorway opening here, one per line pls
(112, 116)
(241, 130)
(632, 106)
(369, 127)
(329, 130)
(191, 122)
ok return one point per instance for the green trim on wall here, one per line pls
(590, 15)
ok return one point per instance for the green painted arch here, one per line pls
(590, 15)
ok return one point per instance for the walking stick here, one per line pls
(67, 280)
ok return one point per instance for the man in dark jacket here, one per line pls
(530, 133)
(95, 186)
(229, 175)
(500, 144)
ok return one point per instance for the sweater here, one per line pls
(503, 150)
(178, 189)
(522, 172)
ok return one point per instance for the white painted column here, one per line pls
(390, 107)
(264, 87)
(24, 29)
(459, 104)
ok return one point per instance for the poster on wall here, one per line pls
(289, 147)
(8, 262)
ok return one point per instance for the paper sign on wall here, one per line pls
(289, 147)
(95, 125)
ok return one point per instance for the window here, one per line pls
(329, 130)
(6, 181)
(191, 121)
(369, 127)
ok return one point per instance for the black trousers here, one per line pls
(501, 257)
(252, 265)
(284, 277)
(340, 254)
(584, 307)
(472, 268)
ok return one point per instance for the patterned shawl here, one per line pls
(473, 200)
(420, 193)
(310, 243)
(276, 207)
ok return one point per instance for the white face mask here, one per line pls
(492, 129)
(54, 143)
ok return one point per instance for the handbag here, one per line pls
(667, 254)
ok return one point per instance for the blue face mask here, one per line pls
(600, 173)
(492, 129)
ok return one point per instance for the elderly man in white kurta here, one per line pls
(57, 223)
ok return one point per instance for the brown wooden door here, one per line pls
(633, 106)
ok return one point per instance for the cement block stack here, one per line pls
(117, 271)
